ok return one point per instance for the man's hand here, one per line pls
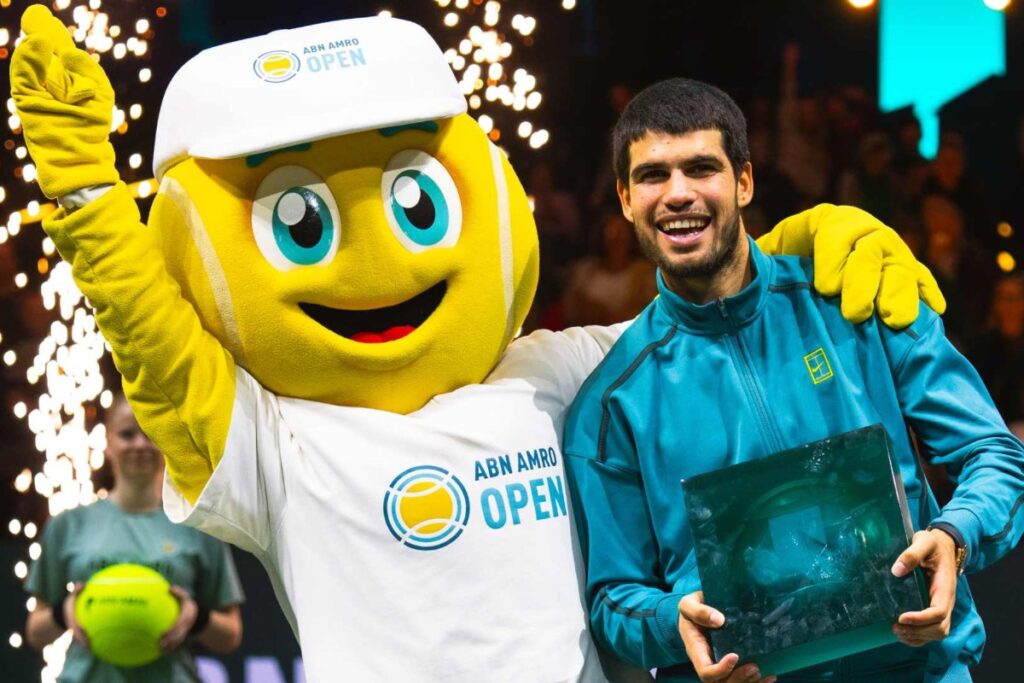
(694, 617)
(66, 105)
(176, 635)
(69, 617)
(859, 258)
(935, 552)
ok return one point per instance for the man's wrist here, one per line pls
(959, 544)
(666, 616)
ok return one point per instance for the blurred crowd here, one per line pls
(806, 148)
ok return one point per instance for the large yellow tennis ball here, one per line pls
(124, 609)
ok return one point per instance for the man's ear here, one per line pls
(623, 192)
(745, 185)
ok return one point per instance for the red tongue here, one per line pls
(390, 334)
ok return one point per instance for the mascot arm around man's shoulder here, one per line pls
(851, 250)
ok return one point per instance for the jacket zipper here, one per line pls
(769, 434)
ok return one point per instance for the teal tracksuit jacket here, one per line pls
(691, 388)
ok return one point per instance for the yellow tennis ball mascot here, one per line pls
(315, 327)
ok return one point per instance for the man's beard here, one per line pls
(721, 253)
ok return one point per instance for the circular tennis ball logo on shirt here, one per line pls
(426, 507)
(276, 66)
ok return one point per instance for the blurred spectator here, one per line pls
(775, 198)
(761, 117)
(998, 352)
(910, 230)
(613, 286)
(871, 185)
(559, 230)
(946, 177)
(910, 167)
(802, 152)
(556, 212)
(602, 195)
(130, 526)
(850, 111)
(964, 271)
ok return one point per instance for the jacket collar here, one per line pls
(722, 315)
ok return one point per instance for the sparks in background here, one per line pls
(481, 55)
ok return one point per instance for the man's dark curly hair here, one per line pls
(678, 106)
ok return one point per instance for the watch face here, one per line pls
(795, 550)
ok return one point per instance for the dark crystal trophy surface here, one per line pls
(795, 550)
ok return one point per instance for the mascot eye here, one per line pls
(294, 219)
(303, 227)
(421, 201)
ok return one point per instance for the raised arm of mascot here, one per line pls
(178, 377)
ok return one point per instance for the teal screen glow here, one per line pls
(932, 51)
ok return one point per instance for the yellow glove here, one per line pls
(66, 106)
(859, 257)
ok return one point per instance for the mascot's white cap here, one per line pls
(301, 85)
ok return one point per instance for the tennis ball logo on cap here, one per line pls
(276, 66)
(426, 507)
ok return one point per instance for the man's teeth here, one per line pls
(685, 224)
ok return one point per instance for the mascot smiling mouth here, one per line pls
(378, 325)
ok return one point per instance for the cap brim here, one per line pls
(267, 137)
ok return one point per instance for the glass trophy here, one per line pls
(795, 549)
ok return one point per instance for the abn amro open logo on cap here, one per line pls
(426, 507)
(276, 66)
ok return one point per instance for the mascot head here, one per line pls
(339, 222)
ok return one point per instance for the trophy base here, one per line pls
(823, 650)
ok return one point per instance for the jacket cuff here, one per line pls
(666, 615)
(969, 527)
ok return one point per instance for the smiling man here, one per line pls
(684, 198)
(718, 370)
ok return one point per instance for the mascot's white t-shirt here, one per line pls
(435, 546)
